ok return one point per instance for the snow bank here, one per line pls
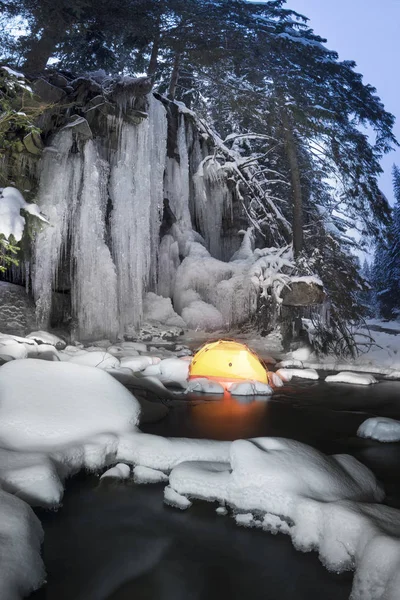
(22, 569)
(349, 377)
(382, 429)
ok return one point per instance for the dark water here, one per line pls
(118, 541)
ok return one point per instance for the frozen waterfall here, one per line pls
(110, 241)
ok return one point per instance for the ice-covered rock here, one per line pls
(250, 388)
(353, 378)
(382, 429)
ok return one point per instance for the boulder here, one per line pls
(80, 127)
(303, 293)
(17, 310)
(33, 143)
(47, 92)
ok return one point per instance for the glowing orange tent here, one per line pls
(227, 362)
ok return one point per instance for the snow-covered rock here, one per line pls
(21, 534)
(120, 471)
(250, 388)
(12, 350)
(328, 504)
(288, 374)
(290, 363)
(350, 377)
(47, 405)
(302, 354)
(204, 385)
(136, 363)
(99, 359)
(147, 475)
(172, 498)
(274, 379)
(44, 337)
(382, 429)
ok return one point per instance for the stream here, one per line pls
(114, 540)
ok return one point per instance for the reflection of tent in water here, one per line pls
(227, 362)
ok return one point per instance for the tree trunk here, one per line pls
(291, 153)
(153, 64)
(41, 50)
(174, 76)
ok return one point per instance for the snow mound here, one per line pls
(202, 315)
(205, 386)
(22, 569)
(120, 471)
(288, 374)
(250, 388)
(350, 377)
(52, 404)
(170, 371)
(382, 429)
(147, 475)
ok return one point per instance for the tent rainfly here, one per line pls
(227, 362)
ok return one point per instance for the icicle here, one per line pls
(157, 156)
(176, 184)
(59, 185)
(136, 194)
(94, 288)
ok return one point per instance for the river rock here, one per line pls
(17, 310)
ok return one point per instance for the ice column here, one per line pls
(59, 185)
(94, 290)
(136, 194)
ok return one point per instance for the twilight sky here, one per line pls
(367, 32)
